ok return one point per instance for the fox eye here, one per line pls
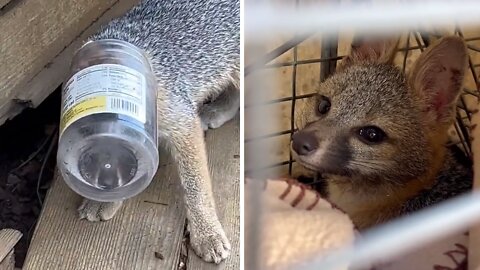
(323, 105)
(371, 135)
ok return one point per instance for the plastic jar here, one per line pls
(108, 149)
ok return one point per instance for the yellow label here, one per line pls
(103, 88)
(86, 107)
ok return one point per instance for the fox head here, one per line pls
(370, 121)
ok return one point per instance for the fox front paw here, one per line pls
(210, 244)
(98, 211)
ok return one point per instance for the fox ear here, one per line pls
(370, 50)
(437, 78)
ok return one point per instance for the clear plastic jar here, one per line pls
(108, 149)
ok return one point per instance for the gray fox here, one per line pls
(194, 48)
(378, 137)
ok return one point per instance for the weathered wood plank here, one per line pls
(8, 239)
(4, 3)
(8, 263)
(32, 33)
(53, 74)
(152, 222)
(224, 162)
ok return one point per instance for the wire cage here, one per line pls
(295, 69)
(282, 75)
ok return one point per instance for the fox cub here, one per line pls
(378, 138)
(194, 48)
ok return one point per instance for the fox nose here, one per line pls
(304, 143)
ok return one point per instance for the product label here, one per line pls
(104, 88)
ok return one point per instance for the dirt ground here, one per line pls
(27, 143)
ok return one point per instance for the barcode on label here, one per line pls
(124, 105)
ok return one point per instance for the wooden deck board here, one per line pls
(8, 240)
(4, 3)
(143, 226)
(52, 75)
(35, 32)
